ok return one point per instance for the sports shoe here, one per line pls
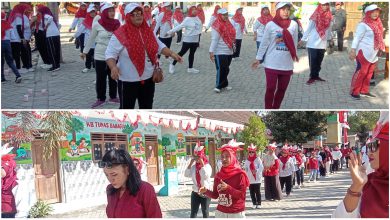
(320, 79)
(238, 58)
(258, 206)
(54, 69)
(228, 88)
(356, 97)
(85, 70)
(233, 59)
(254, 206)
(217, 90)
(310, 81)
(31, 70)
(45, 66)
(192, 70)
(171, 68)
(115, 100)
(23, 70)
(18, 79)
(369, 95)
(97, 104)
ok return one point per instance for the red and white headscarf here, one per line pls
(167, 16)
(147, 12)
(322, 20)
(377, 27)
(265, 18)
(284, 159)
(239, 18)
(201, 14)
(81, 13)
(200, 152)
(19, 11)
(109, 24)
(178, 15)
(136, 44)
(192, 8)
(5, 25)
(89, 19)
(216, 8)
(251, 159)
(225, 30)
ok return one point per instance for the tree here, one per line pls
(296, 127)
(75, 126)
(166, 141)
(362, 122)
(254, 133)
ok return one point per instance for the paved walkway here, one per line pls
(71, 89)
(316, 200)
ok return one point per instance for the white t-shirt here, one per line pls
(26, 26)
(288, 168)
(128, 71)
(276, 55)
(164, 27)
(364, 40)
(192, 26)
(9, 35)
(258, 28)
(99, 38)
(76, 23)
(205, 175)
(259, 171)
(87, 33)
(237, 27)
(211, 21)
(313, 39)
(218, 46)
(52, 29)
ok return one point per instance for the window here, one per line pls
(191, 143)
(101, 143)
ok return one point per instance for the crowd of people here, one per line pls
(106, 33)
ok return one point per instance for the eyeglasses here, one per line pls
(373, 146)
(107, 165)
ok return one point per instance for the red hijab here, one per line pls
(81, 13)
(19, 11)
(167, 16)
(199, 166)
(298, 158)
(287, 37)
(178, 15)
(39, 19)
(225, 30)
(375, 196)
(44, 10)
(137, 43)
(284, 159)
(264, 19)
(147, 13)
(121, 10)
(189, 14)
(88, 21)
(233, 169)
(216, 8)
(109, 24)
(201, 15)
(252, 159)
(239, 18)
(5, 25)
(377, 27)
(9, 181)
(322, 19)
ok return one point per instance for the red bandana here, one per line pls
(287, 38)
(239, 18)
(375, 195)
(264, 19)
(322, 20)
(178, 15)
(299, 159)
(252, 165)
(88, 21)
(5, 25)
(108, 24)
(216, 8)
(136, 40)
(377, 28)
(167, 17)
(225, 30)
(233, 169)
(81, 13)
(201, 15)
(284, 160)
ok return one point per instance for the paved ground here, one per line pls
(316, 200)
(71, 89)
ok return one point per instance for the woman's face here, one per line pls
(226, 160)
(92, 13)
(325, 7)
(117, 175)
(111, 13)
(265, 11)
(225, 17)
(270, 152)
(284, 12)
(83, 7)
(374, 159)
(194, 12)
(137, 17)
(239, 11)
(374, 14)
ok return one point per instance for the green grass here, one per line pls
(65, 157)
(24, 161)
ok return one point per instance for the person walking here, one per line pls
(230, 184)
(77, 21)
(193, 28)
(148, 15)
(367, 42)
(200, 171)
(254, 170)
(336, 155)
(40, 39)
(164, 23)
(260, 23)
(272, 188)
(221, 49)
(6, 51)
(286, 170)
(132, 59)
(178, 18)
(277, 53)
(340, 24)
(101, 32)
(313, 166)
(238, 21)
(212, 18)
(317, 35)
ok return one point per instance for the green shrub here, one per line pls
(40, 209)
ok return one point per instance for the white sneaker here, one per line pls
(94, 82)
(23, 70)
(45, 66)
(86, 70)
(228, 88)
(254, 206)
(171, 68)
(31, 70)
(258, 206)
(192, 70)
(217, 90)
(178, 43)
(233, 59)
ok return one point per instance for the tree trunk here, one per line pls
(54, 9)
(74, 135)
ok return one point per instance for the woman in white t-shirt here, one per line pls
(260, 23)
(238, 22)
(254, 170)
(178, 18)
(277, 53)
(367, 42)
(212, 18)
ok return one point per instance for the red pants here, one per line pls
(277, 80)
(361, 79)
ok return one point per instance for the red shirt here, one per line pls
(143, 205)
(346, 152)
(272, 171)
(313, 163)
(232, 200)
